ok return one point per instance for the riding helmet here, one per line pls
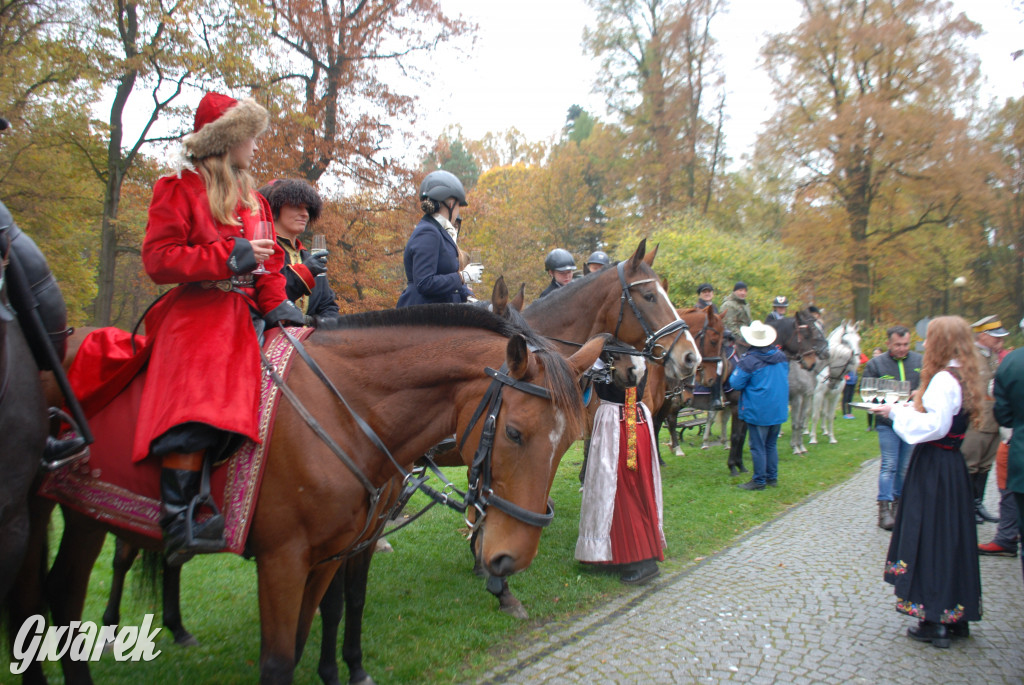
(440, 185)
(780, 301)
(598, 257)
(559, 260)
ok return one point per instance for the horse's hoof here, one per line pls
(813, 441)
(833, 441)
(365, 680)
(515, 610)
(679, 453)
(186, 640)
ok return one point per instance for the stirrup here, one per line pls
(56, 413)
(212, 529)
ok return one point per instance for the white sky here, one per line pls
(527, 66)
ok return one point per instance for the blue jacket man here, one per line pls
(762, 377)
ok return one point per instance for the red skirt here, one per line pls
(634, 531)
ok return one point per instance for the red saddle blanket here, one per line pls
(111, 488)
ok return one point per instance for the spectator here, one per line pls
(848, 388)
(933, 554)
(864, 360)
(1004, 543)
(981, 443)
(735, 309)
(900, 363)
(762, 377)
(1008, 390)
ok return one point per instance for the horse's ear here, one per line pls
(664, 281)
(649, 258)
(587, 355)
(517, 301)
(517, 357)
(638, 256)
(499, 297)
(857, 326)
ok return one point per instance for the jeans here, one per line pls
(895, 459)
(764, 451)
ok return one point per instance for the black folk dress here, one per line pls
(933, 554)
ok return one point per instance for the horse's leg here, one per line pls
(172, 607)
(356, 575)
(737, 437)
(830, 416)
(674, 434)
(68, 581)
(281, 586)
(319, 579)
(331, 606)
(27, 595)
(124, 556)
(709, 429)
(819, 398)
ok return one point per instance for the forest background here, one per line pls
(881, 188)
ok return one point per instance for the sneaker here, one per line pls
(849, 416)
(772, 483)
(992, 549)
(751, 485)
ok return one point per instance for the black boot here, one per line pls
(981, 514)
(927, 631)
(716, 395)
(58, 453)
(183, 537)
(885, 517)
(640, 572)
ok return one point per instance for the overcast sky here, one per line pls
(527, 66)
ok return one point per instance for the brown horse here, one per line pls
(707, 329)
(398, 373)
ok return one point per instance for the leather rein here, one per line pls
(479, 495)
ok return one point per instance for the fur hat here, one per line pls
(292, 191)
(223, 122)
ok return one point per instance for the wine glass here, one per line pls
(867, 389)
(264, 231)
(319, 243)
(904, 390)
(892, 392)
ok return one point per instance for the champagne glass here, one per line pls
(867, 389)
(892, 392)
(319, 243)
(264, 231)
(904, 391)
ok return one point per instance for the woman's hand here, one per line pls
(262, 249)
(881, 410)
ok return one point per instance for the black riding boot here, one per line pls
(981, 514)
(184, 538)
(716, 395)
(57, 453)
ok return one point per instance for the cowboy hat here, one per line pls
(758, 334)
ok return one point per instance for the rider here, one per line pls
(560, 265)
(596, 261)
(736, 312)
(432, 257)
(706, 297)
(778, 312)
(201, 396)
(295, 205)
(50, 329)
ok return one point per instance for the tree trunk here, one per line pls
(108, 249)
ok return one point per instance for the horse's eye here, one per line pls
(649, 297)
(514, 435)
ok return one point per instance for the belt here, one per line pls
(241, 281)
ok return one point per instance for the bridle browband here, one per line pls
(651, 342)
(479, 495)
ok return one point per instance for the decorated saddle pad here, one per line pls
(109, 487)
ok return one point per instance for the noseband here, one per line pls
(651, 341)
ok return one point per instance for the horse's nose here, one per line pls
(502, 565)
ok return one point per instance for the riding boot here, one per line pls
(180, 480)
(981, 514)
(885, 519)
(716, 395)
(57, 452)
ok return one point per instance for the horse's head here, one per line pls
(624, 366)
(708, 331)
(531, 432)
(505, 307)
(646, 318)
(802, 339)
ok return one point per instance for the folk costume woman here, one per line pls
(621, 512)
(432, 266)
(933, 554)
(201, 396)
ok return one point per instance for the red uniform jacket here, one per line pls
(204, 362)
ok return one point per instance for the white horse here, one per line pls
(844, 354)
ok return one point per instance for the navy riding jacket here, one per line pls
(432, 267)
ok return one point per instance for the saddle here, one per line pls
(111, 488)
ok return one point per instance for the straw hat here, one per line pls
(758, 334)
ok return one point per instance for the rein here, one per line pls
(479, 495)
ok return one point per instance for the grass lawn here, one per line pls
(429, 619)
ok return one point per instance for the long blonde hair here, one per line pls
(949, 337)
(226, 186)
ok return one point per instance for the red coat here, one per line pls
(204, 363)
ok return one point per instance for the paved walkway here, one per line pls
(798, 600)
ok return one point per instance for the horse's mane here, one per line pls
(553, 300)
(561, 381)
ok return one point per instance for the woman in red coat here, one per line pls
(202, 388)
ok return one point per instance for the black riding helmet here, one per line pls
(559, 260)
(598, 257)
(440, 185)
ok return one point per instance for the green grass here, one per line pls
(429, 618)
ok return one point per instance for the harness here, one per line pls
(479, 495)
(692, 382)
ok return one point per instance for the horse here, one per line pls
(708, 329)
(843, 357)
(808, 347)
(397, 372)
(24, 423)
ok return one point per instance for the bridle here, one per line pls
(800, 354)
(479, 495)
(651, 344)
(700, 340)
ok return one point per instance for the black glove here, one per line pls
(317, 262)
(286, 312)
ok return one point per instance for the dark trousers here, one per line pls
(848, 397)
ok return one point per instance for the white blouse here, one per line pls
(941, 402)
